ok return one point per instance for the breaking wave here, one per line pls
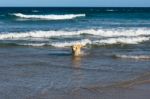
(84, 42)
(109, 41)
(70, 43)
(96, 37)
(49, 17)
(133, 56)
(98, 32)
(33, 44)
(125, 40)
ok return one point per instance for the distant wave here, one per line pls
(49, 17)
(133, 56)
(110, 10)
(35, 11)
(97, 32)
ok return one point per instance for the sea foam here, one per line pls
(96, 32)
(84, 42)
(133, 56)
(101, 37)
(70, 43)
(108, 41)
(49, 17)
(125, 40)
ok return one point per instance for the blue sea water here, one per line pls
(60, 23)
(35, 47)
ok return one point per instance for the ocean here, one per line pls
(35, 48)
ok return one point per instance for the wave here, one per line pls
(133, 56)
(33, 44)
(96, 32)
(58, 44)
(110, 10)
(124, 40)
(70, 43)
(107, 41)
(97, 37)
(49, 17)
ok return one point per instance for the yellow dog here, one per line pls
(76, 49)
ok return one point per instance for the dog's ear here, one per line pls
(82, 45)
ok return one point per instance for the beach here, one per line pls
(36, 60)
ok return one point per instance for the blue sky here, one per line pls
(97, 3)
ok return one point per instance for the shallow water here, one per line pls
(59, 68)
(35, 53)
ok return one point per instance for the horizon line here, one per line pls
(77, 6)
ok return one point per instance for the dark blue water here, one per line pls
(95, 18)
(35, 48)
(71, 23)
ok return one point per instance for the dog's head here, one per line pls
(76, 47)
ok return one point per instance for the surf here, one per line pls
(49, 17)
(137, 57)
(95, 32)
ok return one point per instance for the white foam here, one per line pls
(33, 44)
(107, 41)
(133, 56)
(125, 40)
(49, 17)
(36, 34)
(70, 43)
(135, 40)
(97, 32)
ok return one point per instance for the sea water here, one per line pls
(35, 43)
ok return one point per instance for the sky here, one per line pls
(76, 3)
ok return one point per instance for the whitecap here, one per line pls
(110, 10)
(49, 17)
(97, 32)
(33, 44)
